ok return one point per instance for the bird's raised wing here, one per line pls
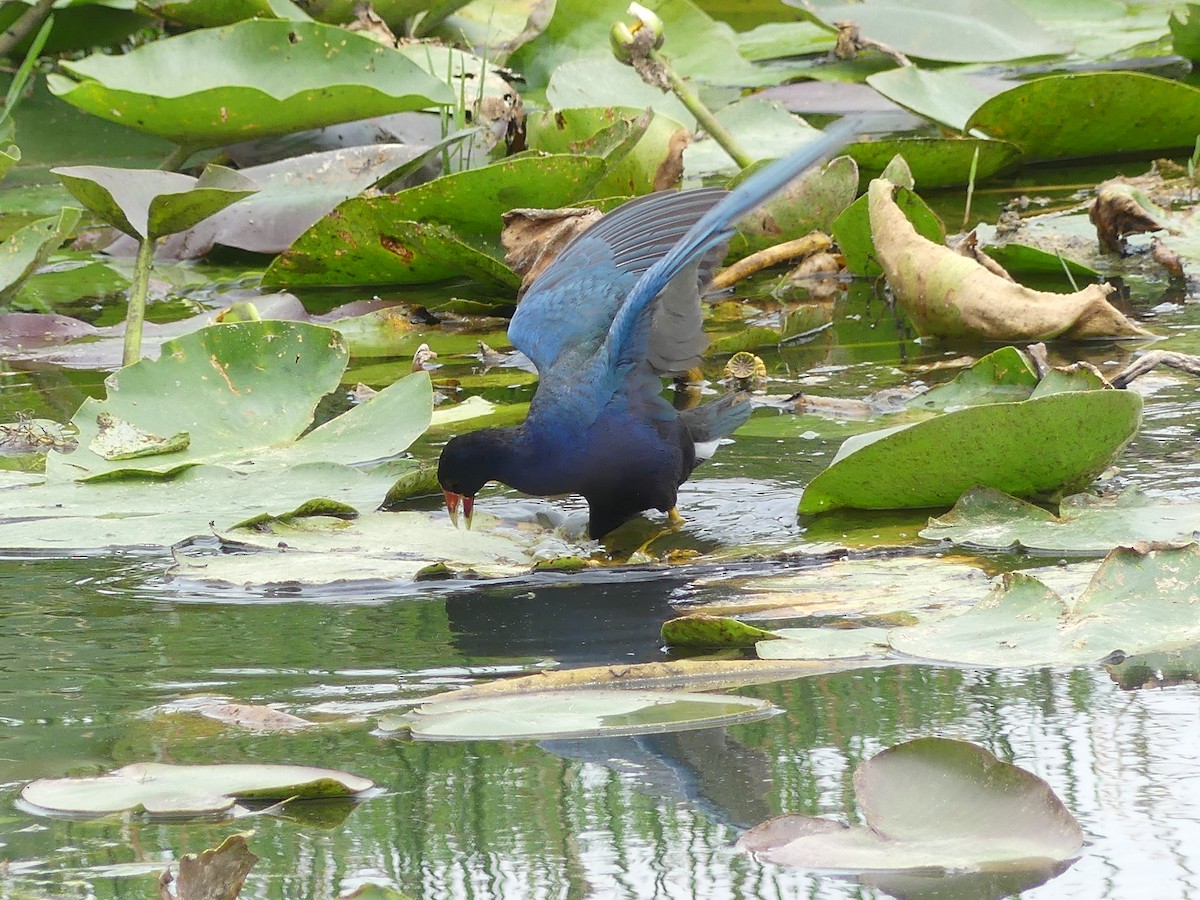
(628, 338)
(571, 305)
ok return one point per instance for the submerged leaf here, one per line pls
(31, 245)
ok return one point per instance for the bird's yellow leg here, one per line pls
(674, 518)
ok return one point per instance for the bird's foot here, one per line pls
(674, 519)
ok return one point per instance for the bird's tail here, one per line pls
(719, 418)
(716, 226)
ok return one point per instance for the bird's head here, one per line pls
(466, 465)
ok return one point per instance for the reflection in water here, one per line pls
(634, 818)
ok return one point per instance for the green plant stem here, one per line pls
(25, 24)
(703, 116)
(176, 158)
(135, 315)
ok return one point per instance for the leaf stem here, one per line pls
(28, 21)
(703, 115)
(135, 315)
(176, 158)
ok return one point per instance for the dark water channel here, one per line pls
(89, 645)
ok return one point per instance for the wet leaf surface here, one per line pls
(186, 791)
(930, 803)
(258, 77)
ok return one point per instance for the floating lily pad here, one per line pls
(224, 386)
(1137, 602)
(256, 78)
(576, 714)
(1003, 376)
(824, 643)
(186, 791)
(396, 547)
(600, 82)
(854, 587)
(948, 30)
(935, 162)
(447, 228)
(930, 803)
(991, 519)
(764, 130)
(1055, 117)
(1047, 446)
(945, 96)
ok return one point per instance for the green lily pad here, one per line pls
(79, 25)
(150, 513)
(293, 194)
(9, 156)
(584, 131)
(1185, 31)
(935, 162)
(990, 519)
(1047, 446)
(704, 631)
(824, 643)
(150, 203)
(240, 411)
(396, 547)
(814, 201)
(1003, 376)
(601, 82)
(186, 791)
(862, 588)
(959, 31)
(945, 96)
(256, 78)
(209, 14)
(1137, 602)
(1055, 117)
(445, 229)
(29, 247)
(593, 712)
(779, 40)
(987, 815)
(1023, 260)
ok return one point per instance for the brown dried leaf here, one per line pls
(670, 170)
(212, 875)
(1119, 210)
(533, 238)
(255, 718)
(949, 295)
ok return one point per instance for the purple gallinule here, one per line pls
(619, 307)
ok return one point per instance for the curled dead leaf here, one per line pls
(949, 295)
(532, 238)
(1121, 209)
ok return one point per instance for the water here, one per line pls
(92, 646)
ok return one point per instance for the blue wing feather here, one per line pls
(571, 305)
(627, 336)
